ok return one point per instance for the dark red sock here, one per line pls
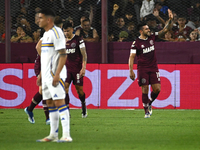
(67, 99)
(35, 101)
(153, 97)
(45, 108)
(145, 101)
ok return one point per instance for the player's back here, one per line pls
(145, 51)
(74, 56)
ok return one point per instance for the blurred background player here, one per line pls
(147, 69)
(76, 64)
(38, 96)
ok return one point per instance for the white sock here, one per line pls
(54, 121)
(65, 120)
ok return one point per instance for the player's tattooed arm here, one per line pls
(84, 61)
(168, 25)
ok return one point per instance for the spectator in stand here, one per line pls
(70, 19)
(88, 33)
(193, 22)
(123, 36)
(118, 27)
(129, 17)
(147, 8)
(83, 17)
(36, 35)
(26, 25)
(151, 21)
(16, 38)
(134, 6)
(25, 38)
(193, 36)
(168, 37)
(131, 32)
(181, 32)
(158, 7)
(21, 36)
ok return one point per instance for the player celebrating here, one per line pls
(76, 64)
(53, 74)
(147, 69)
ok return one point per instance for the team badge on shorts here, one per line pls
(143, 80)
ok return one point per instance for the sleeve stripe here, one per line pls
(55, 32)
(133, 51)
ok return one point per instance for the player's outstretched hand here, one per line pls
(132, 75)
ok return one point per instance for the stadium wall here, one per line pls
(107, 86)
(118, 52)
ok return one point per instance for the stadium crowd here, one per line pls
(123, 17)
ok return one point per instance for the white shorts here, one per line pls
(54, 93)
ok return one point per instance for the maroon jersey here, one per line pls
(186, 31)
(74, 56)
(37, 66)
(145, 52)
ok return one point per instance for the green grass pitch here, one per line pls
(105, 130)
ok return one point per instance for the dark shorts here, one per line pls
(147, 77)
(74, 76)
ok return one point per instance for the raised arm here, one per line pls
(168, 25)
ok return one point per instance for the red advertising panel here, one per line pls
(11, 89)
(107, 86)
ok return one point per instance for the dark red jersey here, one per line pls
(145, 52)
(37, 66)
(186, 31)
(74, 56)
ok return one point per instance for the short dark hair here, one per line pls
(140, 25)
(48, 12)
(67, 25)
(87, 19)
(58, 20)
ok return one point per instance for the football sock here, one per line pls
(65, 120)
(67, 99)
(153, 97)
(145, 101)
(54, 121)
(35, 101)
(45, 108)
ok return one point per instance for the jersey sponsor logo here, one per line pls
(148, 49)
(70, 50)
(55, 95)
(73, 45)
(44, 50)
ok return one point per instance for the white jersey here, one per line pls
(52, 41)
